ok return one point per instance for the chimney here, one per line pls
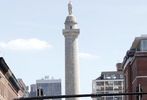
(119, 67)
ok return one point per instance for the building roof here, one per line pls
(49, 81)
(110, 75)
(135, 47)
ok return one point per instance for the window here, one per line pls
(109, 88)
(118, 98)
(143, 45)
(118, 83)
(113, 76)
(109, 83)
(109, 98)
(100, 83)
(70, 27)
(121, 76)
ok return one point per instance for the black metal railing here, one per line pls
(80, 95)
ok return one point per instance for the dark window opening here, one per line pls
(70, 27)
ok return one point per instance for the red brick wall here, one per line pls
(136, 73)
(140, 73)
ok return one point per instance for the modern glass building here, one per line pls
(49, 87)
(33, 90)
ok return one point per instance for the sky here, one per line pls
(32, 43)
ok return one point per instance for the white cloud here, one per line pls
(25, 44)
(87, 56)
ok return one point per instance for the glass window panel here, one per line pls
(143, 46)
(99, 83)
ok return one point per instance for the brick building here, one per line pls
(9, 86)
(135, 68)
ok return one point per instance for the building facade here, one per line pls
(109, 82)
(9, 85)
(48, 87)
(135, 68)
(33, 90)
(72, 72)
(23, 87)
